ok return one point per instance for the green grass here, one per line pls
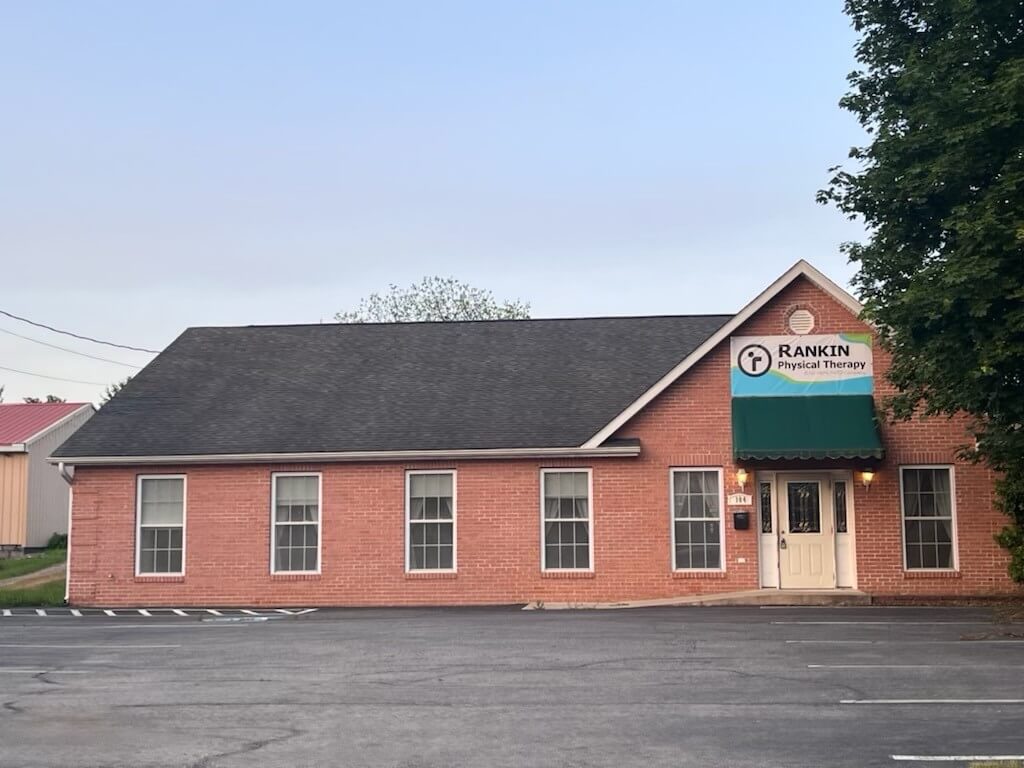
(42, 595)
(19, 566)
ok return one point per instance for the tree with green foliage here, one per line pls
(113, 389)
(49, 399)
(940, 188)
(434, 299)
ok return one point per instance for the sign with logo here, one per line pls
(835, 364)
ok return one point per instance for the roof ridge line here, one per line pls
(468, 322)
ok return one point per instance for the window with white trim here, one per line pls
(161, 525)
(928, 509)
(295, 543)
(430, 510)
(566, 541)
(697, 519)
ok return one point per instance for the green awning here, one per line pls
(816, 427)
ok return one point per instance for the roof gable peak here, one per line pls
(802, 268)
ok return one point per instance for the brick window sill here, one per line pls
(431, 575)
(295, 577)
(932, 575)
(567, 575)
(159, 580)
(699, 574)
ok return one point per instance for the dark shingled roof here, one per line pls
(388, 387)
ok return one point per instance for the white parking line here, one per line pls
(958, 758)
(931, 701)
(834, 642)
(876, 666)
(241, 619)
(105, 646)
(888, 623)
(909, 641)
(911, 666)
(155, 623)
(149, 613)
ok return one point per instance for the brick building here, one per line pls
(512, 461)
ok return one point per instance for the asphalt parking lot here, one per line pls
(503, 687)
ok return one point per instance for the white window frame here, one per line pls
(138, 525)
(721, 518)
(455, 520)
(589, 519)
(953, 519)
(319, 522)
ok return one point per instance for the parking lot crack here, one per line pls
(447, 671)
(42, 678)
(12, 706)
(787, 679)
(247, 748)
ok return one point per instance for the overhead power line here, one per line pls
(55, 378)
(76, 335)
(65, 349)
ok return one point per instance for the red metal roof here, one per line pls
(20, 421)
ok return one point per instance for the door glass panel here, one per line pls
(804, 507)
(765, 491)
(839, 505)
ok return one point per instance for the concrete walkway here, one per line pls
(745, 597)
(51, 573)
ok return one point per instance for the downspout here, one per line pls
(69, 477)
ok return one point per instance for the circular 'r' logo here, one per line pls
(754, 360)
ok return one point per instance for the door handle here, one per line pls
(782, 543)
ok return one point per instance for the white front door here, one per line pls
(806, 532)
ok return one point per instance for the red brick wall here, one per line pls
(363, 513)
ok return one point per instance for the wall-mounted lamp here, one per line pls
(741, 477)
(867, 476)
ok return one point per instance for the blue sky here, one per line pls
(197, 163)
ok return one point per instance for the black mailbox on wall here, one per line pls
(741, 519)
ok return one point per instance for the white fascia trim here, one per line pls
(800, 269)
(13, 448)
(57, 423)
(307, 458)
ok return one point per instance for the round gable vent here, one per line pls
(801, 321)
